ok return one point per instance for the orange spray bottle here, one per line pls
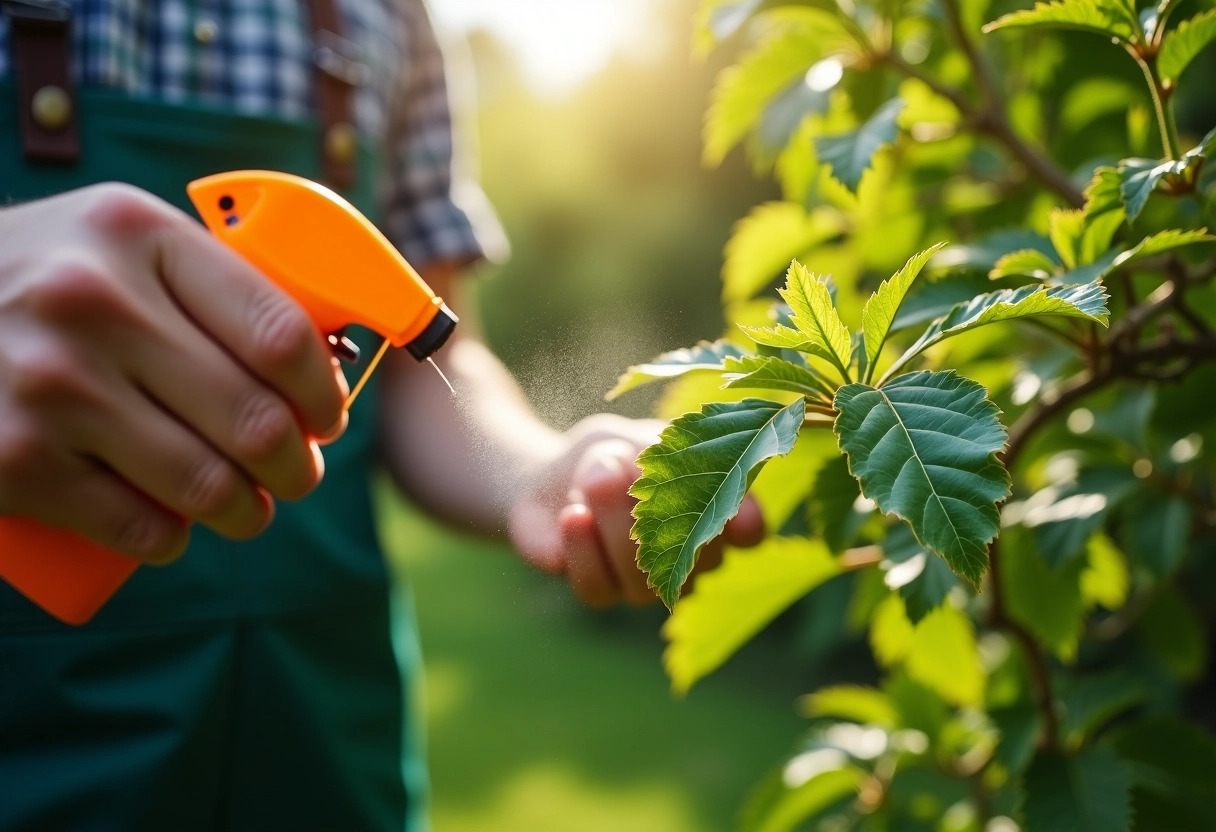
(320, 250)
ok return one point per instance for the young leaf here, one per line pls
(1140, 177)
(1090, 792)
(1046, 601)
(772, 373)
(866, 706)
(944, 656)
(1162, 242)
(819, 328)
(764, 242)
(1101, 17)
(1173, 767)
(1027, 262)
(717, 20)
(849, 154)
(784, 803)
(880, 310)
(1182, 45)
(736, 600)
(695, 478)
(1087, 302)
(704, 356)
(924, 448)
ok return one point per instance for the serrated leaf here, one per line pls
(772, 373)
(704, 356)
(694, 479)
(764, 242)
(819, 330)
(1092, 701)
(1102, 194)
(1019, 726)
(736, 600)
(882, 307)
(1101, 17)
(1027, 262)
(1182, 45)
(866, 706)
(1046, 601)
(849, 155)
(1156, 529)
(1090, 792)
(924, 448)
(1086, 301)
(783, 485)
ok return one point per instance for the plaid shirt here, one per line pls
(255, 57)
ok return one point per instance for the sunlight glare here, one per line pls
(559, 43)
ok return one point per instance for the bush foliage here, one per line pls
(998, 450)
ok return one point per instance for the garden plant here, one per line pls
(997, 453)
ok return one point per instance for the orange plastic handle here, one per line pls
(319, 249)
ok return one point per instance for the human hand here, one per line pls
(150, 377)
(574, 517)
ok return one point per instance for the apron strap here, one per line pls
(41, 45)
(338, 72)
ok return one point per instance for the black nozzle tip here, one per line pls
(434, 336)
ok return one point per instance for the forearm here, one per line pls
(462, 457)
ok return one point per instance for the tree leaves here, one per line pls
(849, 154)
(704, 356)
(1101, 17)
(1140, 177)
(1182, 45)
(924, 448)
(1087, 301)
(882, 307)
(818, 328)
(769, 372)
(695, 478)
(1090, 792)
(736, 600)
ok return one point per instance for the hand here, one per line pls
(150, 377)
(575, 517)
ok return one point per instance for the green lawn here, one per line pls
(545, 717)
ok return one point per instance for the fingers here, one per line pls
(603, 484)
(260, 325)
(239, 416)
(586, 568)
(171, 465)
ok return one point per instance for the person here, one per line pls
(160, 397)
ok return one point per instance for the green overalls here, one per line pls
(253, 686)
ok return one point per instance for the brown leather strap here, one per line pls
(41, 45)
(338, 71)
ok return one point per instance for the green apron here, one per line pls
(253, 686)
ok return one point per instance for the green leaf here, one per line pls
(891, 633)
(1090, 702)
(1174, 635)
(1027, 262)
(882, 307)
(1162, 242)
(778, 63)
(819, 330)
(1046, 601)
(1066, 230)
(1101, 17)
(1090, 792)
(1019, 726)
(924, 447)
(736, 600)
(1173, 768)
(849, 155)
(717, 20)
(695, 478)
(1086, 301)
(944, 656)
(834, 514)
(767, 239)
(704, 356)
(776, 806)
(1140, 177)
(1106, 580)
(1156, 530)
(1182, 45)
(863, 705)
(772, 373)
(922, 579)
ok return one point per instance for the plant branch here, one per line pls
(1161, 103)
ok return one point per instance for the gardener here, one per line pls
(147, 374)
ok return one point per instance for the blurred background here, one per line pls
(543, 716)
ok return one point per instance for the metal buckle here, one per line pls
(336, 57)
(37, 11)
